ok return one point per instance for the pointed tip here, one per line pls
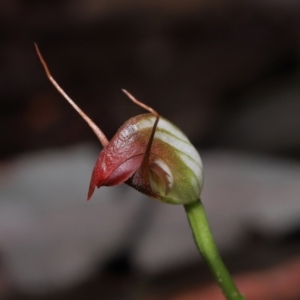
(90, 193)
(37, 49)
(125, 92)
(91, 190)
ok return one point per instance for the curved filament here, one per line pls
(102, 138)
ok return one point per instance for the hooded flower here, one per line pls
(166, 166)
(148, 153)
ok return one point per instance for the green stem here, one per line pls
(207, 247)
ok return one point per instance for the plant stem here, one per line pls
(207, 248)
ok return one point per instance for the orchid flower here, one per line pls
(148, 153)
(155, 157)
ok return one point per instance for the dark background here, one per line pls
(204, 66)
(226, 72)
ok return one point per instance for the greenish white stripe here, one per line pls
(174, 137)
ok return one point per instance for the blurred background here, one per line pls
(226, 72)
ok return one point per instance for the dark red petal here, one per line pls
(118, 176)
(123, 172)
